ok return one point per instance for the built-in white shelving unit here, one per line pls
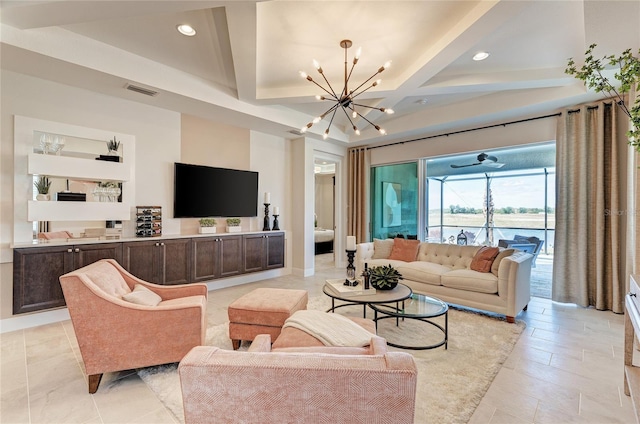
(78, 168)
(76, 162)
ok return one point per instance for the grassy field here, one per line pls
(515, 220)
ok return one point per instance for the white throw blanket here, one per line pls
(331, 329)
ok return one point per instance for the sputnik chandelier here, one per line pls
(345, 100)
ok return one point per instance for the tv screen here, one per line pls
(201, 191)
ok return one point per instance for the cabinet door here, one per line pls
(254, 252)
(230, 256)
(141, 258)
(35, 277)
(275, 251)
(175, 261)
(89, 253)
(205, 263)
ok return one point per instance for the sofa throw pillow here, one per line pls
(496, 262)
(382, 248)
(142, 296)
(484, 258)
(404, 250)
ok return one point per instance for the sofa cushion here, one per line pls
(466, 279)
(423, 272)
(451, 255)
(484, 258)
(404, 250)
(142, 296)
(496, 262)
(382, 248)
(108, 279)
(384, 262)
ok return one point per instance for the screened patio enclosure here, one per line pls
(430, 200)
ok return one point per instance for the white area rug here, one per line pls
(451, 382)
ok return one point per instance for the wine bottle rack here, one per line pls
(148, 221)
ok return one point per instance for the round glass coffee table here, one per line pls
(417, 307)
(399, 293)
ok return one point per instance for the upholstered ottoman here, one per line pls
(263, 311)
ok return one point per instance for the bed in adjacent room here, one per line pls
(323, 240)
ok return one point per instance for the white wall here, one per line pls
(161, 140)
(536, 131)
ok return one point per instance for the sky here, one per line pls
(517, 191)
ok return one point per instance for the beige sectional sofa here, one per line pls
(442, 271)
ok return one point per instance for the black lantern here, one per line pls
(462, 238)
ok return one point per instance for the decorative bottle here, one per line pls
(365, 276)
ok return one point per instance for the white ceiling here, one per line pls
(242, 66)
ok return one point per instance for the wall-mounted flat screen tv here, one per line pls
(202, 191)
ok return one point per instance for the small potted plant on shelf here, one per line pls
(233, 225)
(207, 225)
(113, 146)
(384, 277)
(42, 184)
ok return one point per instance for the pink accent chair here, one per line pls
(311, 385)
(115, 334)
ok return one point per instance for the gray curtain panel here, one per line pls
(358, 194)
(587, 251)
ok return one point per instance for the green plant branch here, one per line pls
(628, 76)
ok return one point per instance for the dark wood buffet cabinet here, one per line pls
(162, 261)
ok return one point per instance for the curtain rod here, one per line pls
(464, 131)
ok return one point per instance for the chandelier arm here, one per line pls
(362, 116)
(353, 96)
(325, 90)
(369, 107)
(360, 86)
(348, 117)
(333, 92)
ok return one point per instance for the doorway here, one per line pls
(324, 214)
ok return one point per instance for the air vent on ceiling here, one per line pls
(296, 132)
(141, 90)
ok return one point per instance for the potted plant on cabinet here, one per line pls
(43, 184)
(207, 225)
(233, 225)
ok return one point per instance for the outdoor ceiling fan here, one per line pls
(483, 159)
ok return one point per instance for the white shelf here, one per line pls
(77, 211)
(77, 168)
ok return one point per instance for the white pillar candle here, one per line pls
(276, 210)
(267, 197)
(351, 242)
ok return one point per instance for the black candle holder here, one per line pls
(276, 225)
(266, 226)
(351, 269)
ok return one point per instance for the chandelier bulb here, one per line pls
(317, 65)
(358, 53)
(356, 130)
(387, 110)
(376, 82)
(303, 129)
(303, 74)
(354, 114)
(316, 119)
(326, 134)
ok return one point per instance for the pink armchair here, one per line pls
(310, 385)
(115, 334)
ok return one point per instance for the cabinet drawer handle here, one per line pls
(161, 244)
(77, 249)
(69, 250)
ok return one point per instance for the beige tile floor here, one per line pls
(566, 367)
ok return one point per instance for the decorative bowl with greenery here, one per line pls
(42, 184)
(233, 225)
(207, 225)
(207, 222)
(384, 277)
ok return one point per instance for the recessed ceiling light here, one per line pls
(422, 101)
(187, 30)
(480, 56)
